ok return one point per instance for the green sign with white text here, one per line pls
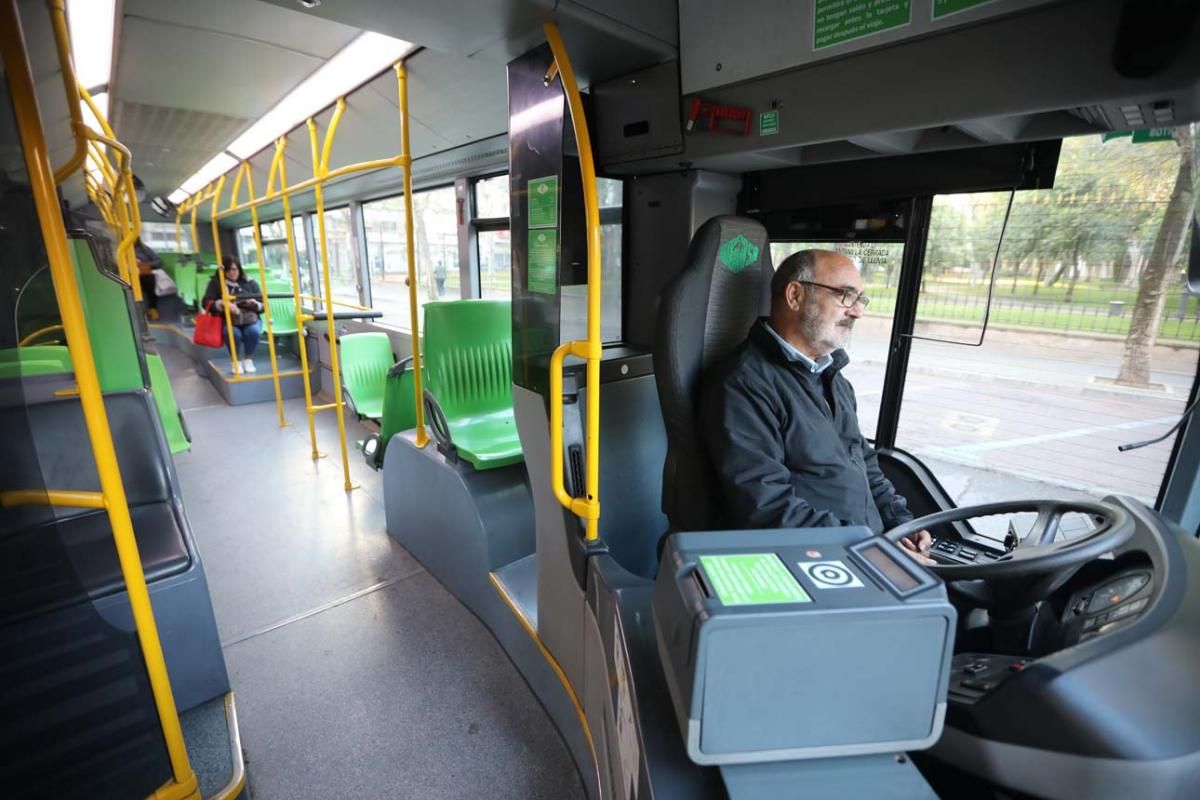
(1153, 135)
(768, 122)
(839, 21)
(543, 260)
(543, 202)
(944, 8)
(750, 579)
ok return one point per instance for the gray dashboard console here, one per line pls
(793, 644)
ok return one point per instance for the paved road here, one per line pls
(1026, 414)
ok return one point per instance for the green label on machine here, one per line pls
(543, 260)
(768, 122)
(944, 8)
(1153, 135)
(543, 202)
(750, 579)
(1108, 137)
(838, 21)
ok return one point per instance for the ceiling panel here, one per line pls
(271, 25)
(169, 144)
(163, 65)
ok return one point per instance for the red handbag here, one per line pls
(208, 330)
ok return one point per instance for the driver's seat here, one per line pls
(706, 310)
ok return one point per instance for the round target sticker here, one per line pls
(830, 575)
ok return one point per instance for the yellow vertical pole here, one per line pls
(194, 203)
(262, 285)
(591, 348)
(237, 367)
(301, 336)
(41, 180)
(406, 157)
(62, 43)
(179, 230)
(320, 168)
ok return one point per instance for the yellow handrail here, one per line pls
(422, 437)
(49, 328)
(220, 277)
(301, 340)
(320, 171)
(62, 44)
(42, 183)
(52, 497)
(262, 277)
(587, 507)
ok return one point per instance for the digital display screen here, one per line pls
(887, 566)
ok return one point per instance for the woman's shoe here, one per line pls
(248, 365)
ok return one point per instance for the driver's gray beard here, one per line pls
(812, 329)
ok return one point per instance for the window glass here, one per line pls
(495, 264)
(1091, 338)
(160, 237)
(435, 236)
(340, 249)
(879, 264)
(303, 265)
(491, 197)
(574, 298)
(246, 250)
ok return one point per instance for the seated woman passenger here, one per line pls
(781, 421)
(245, 306)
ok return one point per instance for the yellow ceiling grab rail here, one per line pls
(589, 349)
(18, 74)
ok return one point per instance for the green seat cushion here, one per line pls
(488, 440)
(27, 367)
(56, 354)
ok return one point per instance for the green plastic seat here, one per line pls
(185, 282)
(50, 358)
(399, 410)
(468, 358)
(28, 367)
(283, 316)
(168, 410)
(366, 359)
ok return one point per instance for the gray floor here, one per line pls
(356, 673)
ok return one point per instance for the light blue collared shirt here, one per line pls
(815, 367)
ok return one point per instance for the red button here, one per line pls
(813, 553)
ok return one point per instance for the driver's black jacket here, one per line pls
(786, 444)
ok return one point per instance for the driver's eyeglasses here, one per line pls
(848, 296)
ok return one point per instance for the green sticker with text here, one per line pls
(768, 122)
(738, 253)
(751, 579)
(840, 21)
(543, 260)
(543, 202)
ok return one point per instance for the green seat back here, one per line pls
(56, 354)
(168, 409)
(185, 282)
(283, 316)
(365, 360)
(110, 327)
(399, 405)
(468, 358)
(27, 367)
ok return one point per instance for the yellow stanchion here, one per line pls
(225, 296)
(422, 437)
(262, 285)
(43, 185)
(320, 169)
(590, 349)
(301, 336)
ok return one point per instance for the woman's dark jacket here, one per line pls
(786, 445)
(243, 289)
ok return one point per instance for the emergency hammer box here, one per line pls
(809, 643)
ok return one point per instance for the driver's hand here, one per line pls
(918, 546)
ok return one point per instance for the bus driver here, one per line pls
(781, 421)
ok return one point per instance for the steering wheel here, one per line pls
(1037, 564)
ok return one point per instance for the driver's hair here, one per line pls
(800, 266)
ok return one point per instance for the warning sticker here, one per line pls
(543, 202)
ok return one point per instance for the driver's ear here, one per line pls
(794, 295)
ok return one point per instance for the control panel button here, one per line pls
(979, 685)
